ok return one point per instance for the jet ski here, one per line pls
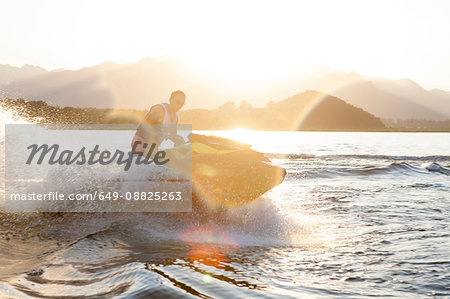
(227, 171)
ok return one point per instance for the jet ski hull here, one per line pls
(226, 171)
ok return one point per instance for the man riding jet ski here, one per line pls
(223, 170)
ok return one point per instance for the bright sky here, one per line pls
(235, 39)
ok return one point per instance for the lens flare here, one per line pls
(209, 245)
(226, 173)
(307, 110)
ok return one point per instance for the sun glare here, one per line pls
(240, 44)
(242, 135)
(283, 39)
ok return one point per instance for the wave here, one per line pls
(395, 168)
(435, 167)
(289, 156)
(293, 156)
(391, 157)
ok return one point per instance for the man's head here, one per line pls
(177, 99)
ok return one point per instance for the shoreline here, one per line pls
(41, 112)
(340, 130)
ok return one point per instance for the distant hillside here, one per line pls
(150, 80)
(10, 73)
(109, 85)
(383, 97)
(310, 110)
(366, 95)
(434, 100)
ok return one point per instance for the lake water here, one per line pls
(358, 215)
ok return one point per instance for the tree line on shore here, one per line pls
(301, 112)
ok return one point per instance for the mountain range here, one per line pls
(149, 81)
(10, 73)
(310, 110)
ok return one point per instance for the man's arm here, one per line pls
(155, 115)
(173, 135)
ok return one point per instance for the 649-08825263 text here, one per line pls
(92, 168)
(97, 195)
